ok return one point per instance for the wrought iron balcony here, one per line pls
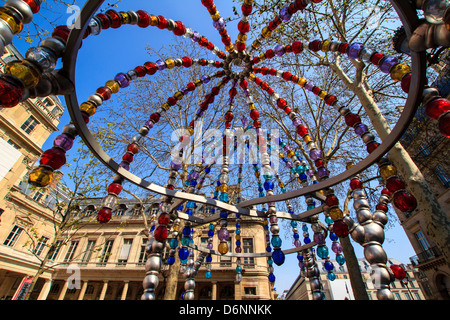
(425, 256)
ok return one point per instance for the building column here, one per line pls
(237, 291)
(83, 290)
(124, 291)
(45, 289)
(214, 290)
(103, 293)
(63, 291)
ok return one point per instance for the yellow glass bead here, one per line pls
(299, 180)
(262, 57)
(215, 16)
(322, 192)
(399, 70)
(178, 95)
(290, 153)
(242, 37)
(153, 218)
(229, 48)
(223, 188)
(26, 71)
(349, 165)
(322, 94)
(191, 131)
(176, 227)
(16, 26)
(248, 2)
(251, 77)
(113, 86)
(170, 63)
(326, 46)
(198, 82)
(307, 138)
(266, 33)
(125, 17)
(165, 107)
(336, 214)
(223, 247)
(256, 44)
(238, 237)
(40, 177)
(216, 188)
(301, 82)
(388, 171)
(199, 186)
(257, 174)
(88, 107)
(153, 20)
(251, 106)
(281, 184)
(281, 155)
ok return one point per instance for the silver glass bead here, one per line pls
(109, 201)
(153, 263)
(368, 137)
(358, 194)
(189, 295)
(148, 295)
(363, 215)
(70, 130)
(357, 234)
(157, 246)
(373, 232)
(133, 17)
(380, 216)
(96, 99)
(385, 294)
(189, 285)
(151, 281)
(315, 284)
(55, 45)
(374, 253)
(361, 204)
(22, 8)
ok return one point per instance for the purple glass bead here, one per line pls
(185, 91)
(161, 65)
(195, 175)
(196, 36)
(238, 250)
(319, 238)
(123, 80)
(246, 92)
(284, 14)
(219, 24)
(273, 219)
(387, 63)
(176, 164)
(297, 243)
(309, 86)
(309, 172)
(360, 129)
(223, 235)
(315, 154)
(63, 141)
(323, 172)
(230, 101)
(289, 165)
(296, 122)
(301, 264)
(279, 50)
(354, 50)
(244, 122)
(336, 247)
(124, 165)
(205, 79)
(200, 112)
(209, 246)
(149, 124)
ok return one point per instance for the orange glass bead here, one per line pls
(223, 247)
(40, 177)
(26, 71)
(88, 107)
(336, 214)
(388, 171)
(15, 25)
(399, 70)
(113, 86)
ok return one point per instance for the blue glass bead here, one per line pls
(123, 80)
(283, 190)
(268, 176)
(333, 236)
(182, 295)
(189, 212)
(208, 274)
(210, 233)
(185, 241)
(291, 211)
(302, 177)
(190, 204)
(300, 169)
(300, 257)
(331, 276)
(238, 243)
(268, 185)
(207, 170)
(180, 208)
(193, 183)
(238, 269)
(328, 266)
(278, 257)
(354, 50)
(305, 227)
(296, 236)
(310, 207)
(152, 228)
(223, 214)
(238, 231)
(268, 249)
(216, 193)
(218, 182)
(271, 277)
(261, 194)
(238, 200)
(238, 225)
(173, 243)
(212, 210)
(328, 220)
(260, 189)
(269, 261)
(186, 231)
(266, 227)
(322, 252)
(276, 241)
(340, 259)
(307, 240)
(293, 223)
(171, 260)
(223, 197)
(208, 259)
(183, 253)
(238, 215)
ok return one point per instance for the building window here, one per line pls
(424, 150)
(422, 241)
(442, 175)
(69, 255)
(37, 196)
(407, 295)
(15, 145)
(250, 290)
(88, 252)
(55, 250)
(204, 242)
(142, 254)
(40, 246)
(13, 236)
(29, 125)
(106, 251)
(416, 295)
(125, 251)
(120, 212)
(247, 245)
(397, 296)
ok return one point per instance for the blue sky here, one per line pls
(120, 50)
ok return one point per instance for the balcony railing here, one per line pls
(426, 256)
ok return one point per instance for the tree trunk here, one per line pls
(172, 281)
(356, 279)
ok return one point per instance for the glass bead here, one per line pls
(279, 50)
(115, 18)
(105, 22)
(104, 92)
(319, 238)
(208, 274)
(388, 171)
(42, 56)
(354, 50)
(278, 257)
(40, 177)
(63, 141)
(34, 5)
(315, 154)
(54, 158)
(161, 233)
(360, 129)
(387, 63)
(170, 63)
(104, 215)
(444, 125)
(122, 79)
(183, 253)
(16, 26)
(336, 214)
(223, 248)
(405, 201)
(405, 82)
(26, 71)
(271, 277)
(328, 266)
(356, 184)
(434, 10)
(372, 146)
(331, 276)
(398, 71)
(436, 107)
(340, 228)
(11, 92)
(340, 259)
(88, 107)
(333, 236)
(170, 260)
(352, 119)
(336, 247)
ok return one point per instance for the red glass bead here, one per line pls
(229, 116)
(243, 27)
(287, 48)
(104, 92)
(254, 114)
(302, 130)
(203, 42)
(133, 148)
(405, 83)
(264, 86)
(233, 92)
(61, 32)
(171, 101)
(299, 4)
(116, 18)
(257, 124)
(203, 62)
(144, 19)
(273, 71)
(256, 60)
(141, 71)
(294, 78)
(340, 228)
(222, 55)
(343, 47)
(170, 187)
(187, 61)
(207, 3)
(243, 84)
(269, 54)
(376, 58)
(281, 103)
(162, 22)
(381, 207)
(331, 200)
(318, 163)
(10, 92)
(351, 119)
(128, 157)
(270, 91)
(228, 125)
(190, 86)
(115, 188)
(405, 201)
(371, 146)
(180, 28)
(286, 76)
(34, 5)
(240, 46)
(246, 10)
(218, 64)
(215, 91)
(155, 117)
(394, 184)
(329, 99)
(316, 90)
(272, 26)
(85, 117)
(314, 45)
(54, 158)
(104, 215)
(356, 184)
(386, 192)
(398, 271)
(151, 68)
(106, 23)
(164, 219)
(264, 70)
(444, 124)
(287, 110)
(436, 107)
(258, 81)
(226, 40)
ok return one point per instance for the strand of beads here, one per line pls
(313, 274)
(243, 25)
